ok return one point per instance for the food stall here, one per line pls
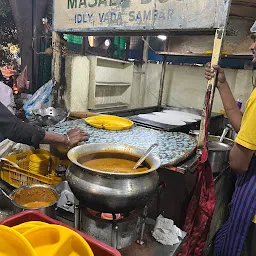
(113, 207)
(129, 18)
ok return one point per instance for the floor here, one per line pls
(150, 247)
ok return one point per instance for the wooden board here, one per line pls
(211, 84)
(139, 15)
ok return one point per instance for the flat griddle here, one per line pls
(171, 128)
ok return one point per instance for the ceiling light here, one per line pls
(107, 42)
(162, 37)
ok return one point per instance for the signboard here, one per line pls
(139, 15)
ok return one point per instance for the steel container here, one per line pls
(111, 192)
(27, 194)
(218, 154)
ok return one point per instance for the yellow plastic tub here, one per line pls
(12, 243)
(55, 240)
(22, 228)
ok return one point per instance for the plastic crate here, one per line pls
(21, 176)
(98, 248)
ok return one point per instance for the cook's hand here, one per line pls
(210, 72)
(75, 136)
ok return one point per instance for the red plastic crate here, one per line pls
(98, 248)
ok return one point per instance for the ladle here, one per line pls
(142, 159)
(224, 133)
(5, 194)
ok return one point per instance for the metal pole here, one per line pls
(144, 63)
(56, 66)
(161, 88)
(77, 215)
(143, 224)
(35, 47)
(114, 234)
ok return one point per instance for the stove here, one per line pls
(149, 246)
(117, 230)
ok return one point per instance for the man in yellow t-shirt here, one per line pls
(232, 238)
(247, 133)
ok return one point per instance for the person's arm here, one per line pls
(18, 131)
(240, 158)
(12, 104)
(72, 138)
(232, 111)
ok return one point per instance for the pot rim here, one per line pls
(224, 147)
(32, 186)
(111, 146)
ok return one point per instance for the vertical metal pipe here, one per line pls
(114, 234)
(77, 215)
(143, 81)
(36, 45)
(161, 88)
(143, 224)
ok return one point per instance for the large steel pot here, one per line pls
(35, 193)
(111, 192)
(218, 153)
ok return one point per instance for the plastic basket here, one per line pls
(98, 248)
(21, 176)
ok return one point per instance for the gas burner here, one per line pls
(110, 216)
(119, 230)
(105, 216)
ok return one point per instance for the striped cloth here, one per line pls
(231, 237)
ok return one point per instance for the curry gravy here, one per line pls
(113, 162)
(36, 204)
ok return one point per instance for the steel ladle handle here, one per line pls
(142, 159)
(5, 194)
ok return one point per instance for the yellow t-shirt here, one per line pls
(247, 134)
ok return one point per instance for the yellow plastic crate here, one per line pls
(21, 176)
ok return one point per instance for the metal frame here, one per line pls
(220, 23)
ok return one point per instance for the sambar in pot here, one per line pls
(36, 197)
(102, 178)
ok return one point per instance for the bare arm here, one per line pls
(240, 158)
(16, 130)
(72, 138)
(232, 111)
(55, 138)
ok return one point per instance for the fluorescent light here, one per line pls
(162, 37)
